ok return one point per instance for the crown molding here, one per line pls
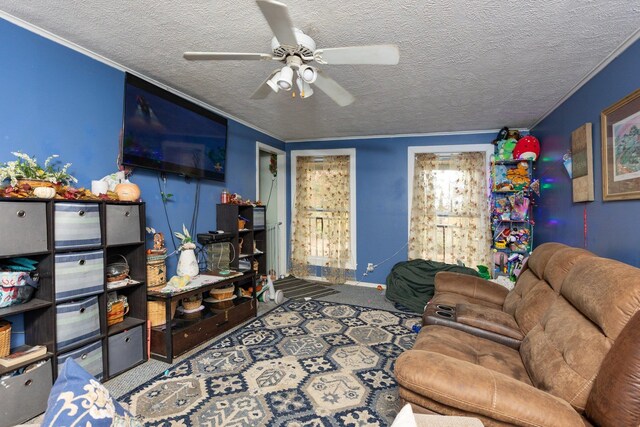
(96, 56)
(402, 135)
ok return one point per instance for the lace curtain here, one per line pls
(321, 225)
(450, 209)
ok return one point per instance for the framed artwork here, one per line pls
(621, 149)
(582, 164)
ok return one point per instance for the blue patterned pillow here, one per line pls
(77, 398)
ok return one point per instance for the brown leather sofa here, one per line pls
(488, 310)
(578, 363)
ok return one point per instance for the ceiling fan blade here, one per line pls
(382, 54)
(277, 16)
(264, 89)
(225, 56)
(333, 90)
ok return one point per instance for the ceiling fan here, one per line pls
(296, 50)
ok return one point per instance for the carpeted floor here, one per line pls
(304, 363)
(294, 288)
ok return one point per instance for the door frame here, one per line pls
(281, 201)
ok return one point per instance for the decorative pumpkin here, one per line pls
(527, 148)
(44, 192)
(127, 192)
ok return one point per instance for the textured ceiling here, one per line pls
(464, 64)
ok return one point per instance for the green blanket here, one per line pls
(411, 283)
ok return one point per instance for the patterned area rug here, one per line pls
(305, 363)
(294, 288)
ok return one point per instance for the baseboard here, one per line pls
(348, 282)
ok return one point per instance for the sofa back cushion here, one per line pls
(615, 396)
(530, 278)
(564, 352)
(532, 272)
(561, 263)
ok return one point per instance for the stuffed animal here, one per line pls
(513, 134)
(519, 176)
(505, 149)
(527, 148)
(501, 135)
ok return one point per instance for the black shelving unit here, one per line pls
(120, 228)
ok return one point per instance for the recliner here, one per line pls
(536, 288)
(579, 365)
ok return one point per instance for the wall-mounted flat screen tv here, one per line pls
(166, 132)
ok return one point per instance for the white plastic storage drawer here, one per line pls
(25, 395)
(77, 321)
(77, 225)
(79, 274)
(89, 357)
(125, 350)
(24, 228)
(123, 224)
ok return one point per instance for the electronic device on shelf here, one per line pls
(166, 132)
(207, 238)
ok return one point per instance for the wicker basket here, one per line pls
(117, 310)
(118, 270)
(156, 312)
(156, 272)
(191, 304)
(5, 338)
(222, 293)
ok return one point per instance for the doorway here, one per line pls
(271, 190)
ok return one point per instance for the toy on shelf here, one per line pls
(511, 177)
(505, 149)
(513, 187)
(527, 148)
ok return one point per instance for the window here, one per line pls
(449, 208)
(323, 232)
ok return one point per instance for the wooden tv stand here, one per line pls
(186, 331)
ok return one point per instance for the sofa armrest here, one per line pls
(471, 286)
(474, 389)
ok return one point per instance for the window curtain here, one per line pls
(450, 209)
(321, 225)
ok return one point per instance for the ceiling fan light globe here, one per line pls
(304, 88)
(307, 73)
(285, 78)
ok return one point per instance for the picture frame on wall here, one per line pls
(582, 164)
(620, 125)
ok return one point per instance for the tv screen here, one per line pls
(165, 132)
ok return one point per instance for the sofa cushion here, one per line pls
(555, 357)
(531, 275)
(611, 306)
(561, 263)
(542, 254)
(470, 348)
(466, 288)
(77, 398)
(615, 396)
(478, 391)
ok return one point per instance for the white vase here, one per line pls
(187, 263)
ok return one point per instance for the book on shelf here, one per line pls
(22, 354)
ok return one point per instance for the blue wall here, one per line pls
(381, 194)
(57, 101)
(611, 226)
